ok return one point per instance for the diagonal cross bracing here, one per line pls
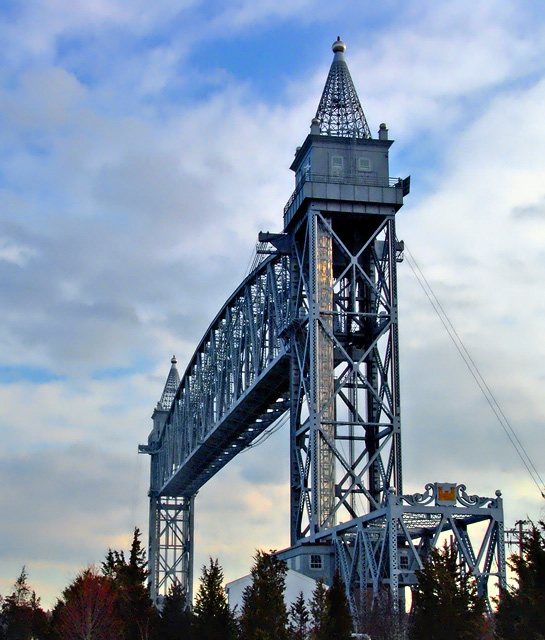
(233, 388)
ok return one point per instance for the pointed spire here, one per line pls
(171, 386)
(340, 112)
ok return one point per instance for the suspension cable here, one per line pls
(475, 372)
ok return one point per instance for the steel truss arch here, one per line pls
(234, 387)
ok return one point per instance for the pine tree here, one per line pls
(136, 610)
(446, 605)
(331, 617)
(299, 619)
(521, 609)
(21, 616)
(176, 620)
(339, 618)
(264, 614)
(213, 618)
(114, 560)
(138, 613)
(318, 610)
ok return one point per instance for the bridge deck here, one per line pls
(235, 386)
(256, 410)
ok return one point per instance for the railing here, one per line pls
(364, 181)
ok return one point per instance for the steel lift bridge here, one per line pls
(313, 331)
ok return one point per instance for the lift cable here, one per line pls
(477, 376)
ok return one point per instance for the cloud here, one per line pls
(533, 210)
(65, 509)
(134, 177)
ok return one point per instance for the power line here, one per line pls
(477, 376)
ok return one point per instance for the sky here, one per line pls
(144, 145)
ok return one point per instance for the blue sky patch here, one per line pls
(22, 373)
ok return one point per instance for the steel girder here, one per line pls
(234, 387)
(216, 411)
(345, 373)
(378, 554)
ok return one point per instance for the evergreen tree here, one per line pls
(318, 610)
(264, 615)
(21, 616)
(339, 618)
(521, 609)
(114, 560)
(331, 617)
(299, 619)
(176, 620)
(213, 618)
(446, 605)
(378, 618)
(136, 611)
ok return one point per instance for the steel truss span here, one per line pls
(313, 331)
(233, 389)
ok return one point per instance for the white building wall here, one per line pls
(295, 584)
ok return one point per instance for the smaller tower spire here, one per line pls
(171, 386)
(339, 111)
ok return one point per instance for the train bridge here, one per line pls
(312, 332)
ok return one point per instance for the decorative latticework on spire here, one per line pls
(171, 386)
(340, 112)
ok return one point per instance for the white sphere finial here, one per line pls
(339, 46)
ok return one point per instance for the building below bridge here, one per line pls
(296, 583)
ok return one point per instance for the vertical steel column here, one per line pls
(153, 540)
(500, 543)
(393, 515)
(171, 541)
(322, 418)
(393, 249)
(297, 495)
(370, 311)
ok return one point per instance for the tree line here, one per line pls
(112, 603)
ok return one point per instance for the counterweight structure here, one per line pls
(313, 330)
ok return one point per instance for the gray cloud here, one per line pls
(69, 492)
(128, 217)
(534, 210)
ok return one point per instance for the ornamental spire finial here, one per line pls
(339, 111)
(338, 46)
(171, 386)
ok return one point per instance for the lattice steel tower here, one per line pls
(313, 330)
(346, 447)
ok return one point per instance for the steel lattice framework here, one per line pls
(339, 111)
(389, 545)
(313, 331)
(234, 387)
(345, 401)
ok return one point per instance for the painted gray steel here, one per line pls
(313, 332)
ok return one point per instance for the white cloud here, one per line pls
(127, 220)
